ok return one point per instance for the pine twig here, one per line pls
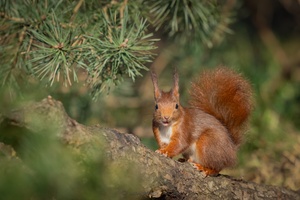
(15, 19)
(109, 28)
(122, 8)
(76, 9)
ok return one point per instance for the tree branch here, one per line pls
(163, 178)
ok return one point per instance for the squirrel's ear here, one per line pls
(175, 89)
(157, 92)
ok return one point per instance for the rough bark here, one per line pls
(163, 178)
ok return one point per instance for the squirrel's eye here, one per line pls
(176, 106)
(156, 107)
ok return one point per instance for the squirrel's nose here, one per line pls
(166, 118)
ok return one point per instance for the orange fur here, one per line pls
(226, 95)
(209, 132)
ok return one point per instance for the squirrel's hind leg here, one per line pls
(214, 151)
(207, 171)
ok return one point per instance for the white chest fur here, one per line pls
(165, 133)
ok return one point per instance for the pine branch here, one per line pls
(55, 52)
(58, 39)
(190, 20)
(108, 40)
(123, 48)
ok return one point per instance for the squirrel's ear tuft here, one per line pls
(175, 89)
(157, 92)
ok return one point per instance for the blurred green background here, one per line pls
(263, 44)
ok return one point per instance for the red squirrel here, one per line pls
(209, 132)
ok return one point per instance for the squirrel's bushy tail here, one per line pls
(227, 96)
